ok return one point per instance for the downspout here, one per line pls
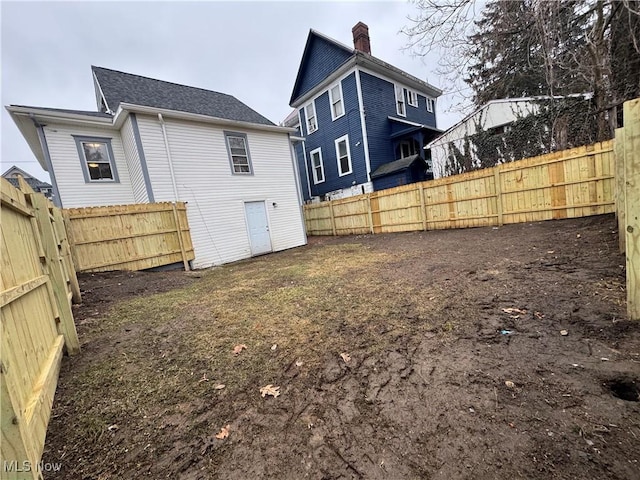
(296, 172)
(363, 122)
(57, 200)
(166, 146)
(304, 154)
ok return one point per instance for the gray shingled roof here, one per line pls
(32, 182)
(120, 87)
(396, 166)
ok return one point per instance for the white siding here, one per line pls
(133, 162)
(492, 115)
(74, 191)
(215, 196)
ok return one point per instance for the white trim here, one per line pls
(365, 140)
(306, 116)
(331, 101)
(345, 139)
(313, 167)
(401, 100)
(304, 153)
(411, 93)
(413, 124)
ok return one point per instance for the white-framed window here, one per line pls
(337, 103)
(317, 166)
(400, 106)
(97, 159)
(412, 97)
(310, 115)
(430, 104)
(343, 155)
(238, 150)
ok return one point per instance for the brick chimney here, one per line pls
(361, 40)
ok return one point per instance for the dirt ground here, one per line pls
(457, 368)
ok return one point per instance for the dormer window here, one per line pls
(310, 115)
(400, 105)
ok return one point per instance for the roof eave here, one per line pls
(385, 68)
(124, 108)
(54, 115)
(338, 72)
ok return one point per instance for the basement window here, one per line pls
(238, 151)
(96, 159)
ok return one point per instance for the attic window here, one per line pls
(238, 153)
(400, 106)
(310, 114)
(97, 159)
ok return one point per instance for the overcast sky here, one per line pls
(249, 50)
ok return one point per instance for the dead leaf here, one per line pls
(510, 384)
(113, 428)
(346, 357)
(274, 347)
(564, 333)
(514, 310)
(224, 433)
(220, 386)
(551, 251)
(238, 348)
(204, 378)
(270, 390)
(538, 315)
(299, 363)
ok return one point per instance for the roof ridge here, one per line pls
(93, 67)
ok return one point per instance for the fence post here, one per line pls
(368, 200)
(180, 240)
(496, 180)
(632, 204)
(53, 265)
(423, 210)
(333, 219)
(619, 182)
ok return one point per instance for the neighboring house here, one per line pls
(155, 141)
(37, 185)
(356, 116)
(495, 118)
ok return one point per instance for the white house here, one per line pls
(495, 115)
(155, 141)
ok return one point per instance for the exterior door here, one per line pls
(258, 226)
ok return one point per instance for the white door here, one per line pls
(258, 227)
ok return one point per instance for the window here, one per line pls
(430, 103)
(97, 159)
(337, 105)
(400, 107)
(407, 148)
(412, 97)
(238, 153)
(343, 156)
(310, 114)
(317, 167)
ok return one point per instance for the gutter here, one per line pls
(129, 107)
(48, 114)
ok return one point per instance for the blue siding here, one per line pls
(321, 58)
(379, 102)
(298, 148)
(418, 114)
(326, 134)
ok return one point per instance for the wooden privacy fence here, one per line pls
(627, 166)
(38, 283)
(129, 237)
(567, 184)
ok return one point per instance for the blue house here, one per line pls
(362, 122)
